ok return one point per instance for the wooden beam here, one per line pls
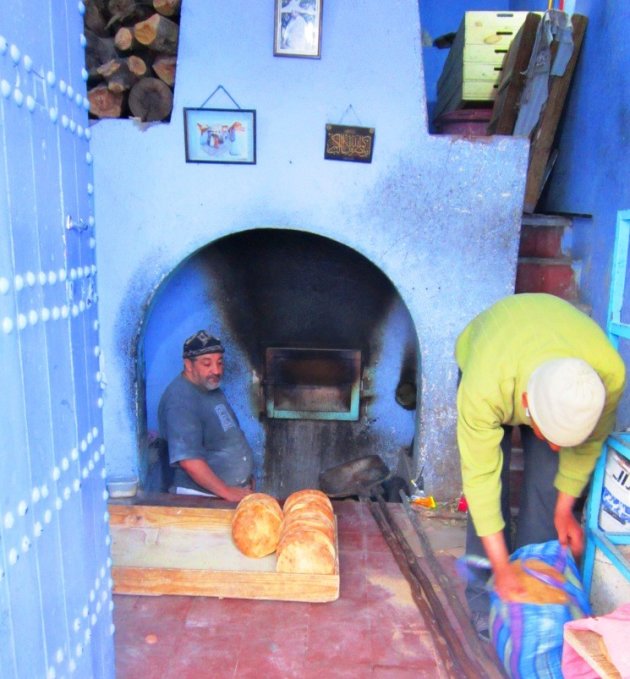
(505, 109)
(544, 133)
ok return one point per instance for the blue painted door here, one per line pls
(55, 568)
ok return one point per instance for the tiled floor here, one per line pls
(373, 630)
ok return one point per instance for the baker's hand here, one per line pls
(507, 584)
(236, 494)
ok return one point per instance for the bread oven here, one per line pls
(312, 384)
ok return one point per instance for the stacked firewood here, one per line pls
(131, 55)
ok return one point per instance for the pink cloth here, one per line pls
(615, 631)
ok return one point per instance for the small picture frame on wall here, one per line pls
(298, 28)
(219, 135)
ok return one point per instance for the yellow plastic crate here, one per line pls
(472, 71)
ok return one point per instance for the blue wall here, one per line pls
(438, 216)
(592, 176)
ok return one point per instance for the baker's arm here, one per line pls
(201, 473)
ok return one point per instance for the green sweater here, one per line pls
(497, 352)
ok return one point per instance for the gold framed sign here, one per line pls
(353, 144)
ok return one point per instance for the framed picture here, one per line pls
(298, 28)
(349, 143)
(220, 135)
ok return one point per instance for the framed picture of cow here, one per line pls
(298, 28)
(219, 135)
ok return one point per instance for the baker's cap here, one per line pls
(565, 397)
(201, 343)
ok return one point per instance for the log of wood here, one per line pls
(167, 8)
(125, 11)
(164, 67)
(98, 51)
(150, 99)
(137, 65)
(122, 74)
(124, 39)
(104, 103)
(95, 17)
(158, 33)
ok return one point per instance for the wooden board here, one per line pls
(544, 134)
(591, 647)
(189, 551)
(505, 109)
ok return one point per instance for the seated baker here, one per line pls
(206, 444)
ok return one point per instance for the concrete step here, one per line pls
(553, 275)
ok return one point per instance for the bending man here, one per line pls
(534, 361)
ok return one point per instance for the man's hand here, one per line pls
(200, 473)
(506, 582)
(570, 533)
(235, 493)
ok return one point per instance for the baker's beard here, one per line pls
(212, 383)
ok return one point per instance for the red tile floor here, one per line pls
(374, 629)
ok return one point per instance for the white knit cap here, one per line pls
(565, 397)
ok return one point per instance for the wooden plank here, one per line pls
(228, 584)
(591, 647)
(189, 551)
(195, 518)
(505, 109)
(545, 131)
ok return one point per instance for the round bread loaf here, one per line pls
(309, 518)
(316, 522)
(256, 525)
(537, 591)
(310, 504)
(305, 551)
(307, 540)
(267, 500)
(306, 493)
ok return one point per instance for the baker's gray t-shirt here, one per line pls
(198, 423)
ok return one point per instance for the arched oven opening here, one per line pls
(321, 362)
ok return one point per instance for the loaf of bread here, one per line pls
(306, 551)
(310, 494)
(536, 591)
(307, 539)
(256, 525)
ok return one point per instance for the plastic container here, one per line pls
(122, 486)
(614, 516)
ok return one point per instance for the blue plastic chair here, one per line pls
(596, 538)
